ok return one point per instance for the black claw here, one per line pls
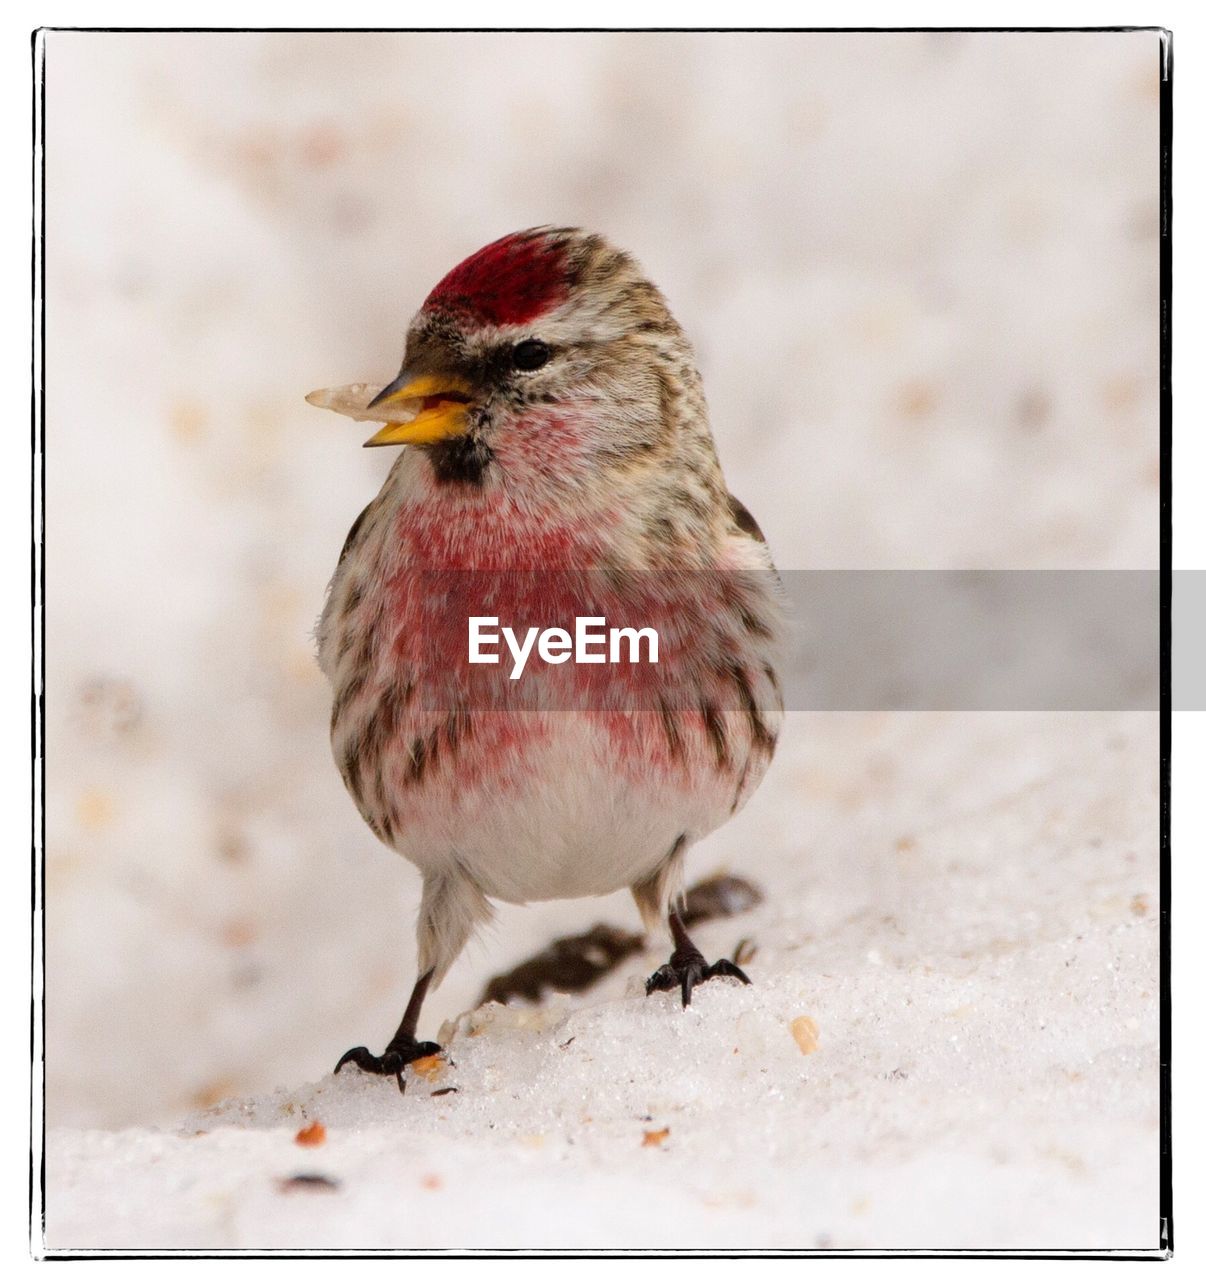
(398, 1055)
(361, 1057)
(686, 970)
(728, 969)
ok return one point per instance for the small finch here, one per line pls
(559, 466)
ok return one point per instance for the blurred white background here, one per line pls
(920, 272)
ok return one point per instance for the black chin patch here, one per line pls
(460, 460)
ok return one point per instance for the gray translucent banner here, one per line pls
(854, 640)
(1025, 640)
(1189, 640)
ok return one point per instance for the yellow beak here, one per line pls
(441, 406)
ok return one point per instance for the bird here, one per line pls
(557, 463)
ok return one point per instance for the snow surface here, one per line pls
(969, 918)
(924, 301)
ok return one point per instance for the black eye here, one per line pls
(530, 354)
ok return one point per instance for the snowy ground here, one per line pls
(921, 277)
(968, 918)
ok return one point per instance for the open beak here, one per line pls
(442, 404)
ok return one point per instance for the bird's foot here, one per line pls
(398, 1055)
(686, 970)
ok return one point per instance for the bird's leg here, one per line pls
(403, 1048)
(687, 967)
